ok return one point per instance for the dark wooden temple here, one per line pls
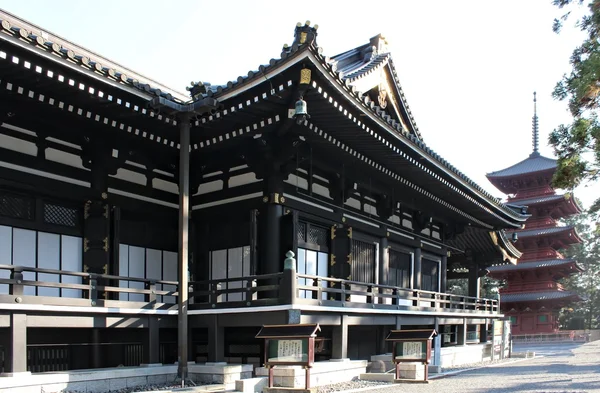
(112, 184)
(533, 297)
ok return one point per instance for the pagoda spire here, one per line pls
(535, 130)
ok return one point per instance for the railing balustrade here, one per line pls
(255, 290)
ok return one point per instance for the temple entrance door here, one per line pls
(527, 324)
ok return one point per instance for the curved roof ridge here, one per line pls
(85, 58)
(533, 163)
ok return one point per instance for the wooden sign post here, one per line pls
(411, 346)
(289, 345)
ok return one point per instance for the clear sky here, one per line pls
(468, 67)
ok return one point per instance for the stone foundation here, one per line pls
(322, 373)
(102, 380)
(450, 357)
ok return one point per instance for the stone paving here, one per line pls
(574, 370)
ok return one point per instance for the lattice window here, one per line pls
(16, 206)
(60, 215)
(317, 235)
(301, 232)
(363, 261)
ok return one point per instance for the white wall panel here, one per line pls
(169, 274)
(24, 253)
(154, 267)
(137, 256)
(72, 261)
(48, 258)
(123, 270)
(235, 260)
(5, 255)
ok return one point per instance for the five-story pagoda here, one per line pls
(533, 297)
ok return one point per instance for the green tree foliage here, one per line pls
(586, 284)
(488, 287)
(577, 145)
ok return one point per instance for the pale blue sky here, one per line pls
(468, 68)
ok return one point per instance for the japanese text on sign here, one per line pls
(411, 349)
(289, 350)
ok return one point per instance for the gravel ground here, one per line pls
(570, 371)
(351, 385)
(478, 364)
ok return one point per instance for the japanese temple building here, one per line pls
(120, 198)
(533, 297)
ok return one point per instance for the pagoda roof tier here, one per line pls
(554, 264)
(566, 202)
(568, 230)
(533, 164)
(538, 296)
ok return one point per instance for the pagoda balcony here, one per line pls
(532, 287)
(42, 290)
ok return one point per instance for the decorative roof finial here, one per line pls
(536, 132)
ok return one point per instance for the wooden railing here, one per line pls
(286, 287)
(329, 291)
(92, 288)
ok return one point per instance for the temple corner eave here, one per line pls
(509, 252)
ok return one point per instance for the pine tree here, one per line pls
(586, 284)
(577, 145)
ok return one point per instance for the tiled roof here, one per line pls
(533, 201)
(296, 49)
(535, 296)
(544, 231)
(547, 198)
(531, 265)
(84, 60)
(359, 62)
(534, 163)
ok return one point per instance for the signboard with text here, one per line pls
(288, 351)
(411, 350)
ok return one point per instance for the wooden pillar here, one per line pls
(340, 256)
(271, 256)
(474, 281)
(114, 248)
(96, 355)
(202, 259)
(16, 355)
(216, 340)
(384, 261)
(384, 330)
(444, 274)
(417, 269)
(182, 256)
(437, 345)
(96, 225)
(339, 339)
(461, 333)
(153, 340)
(483, 332)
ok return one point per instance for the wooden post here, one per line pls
(461, 334)
(417, 270)
(444, 274)
(474, 281)
(288, 291)
(216, 340)
(153, 340)
(437, 346)
(184, 216)
(339, 339)
(17, 345)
